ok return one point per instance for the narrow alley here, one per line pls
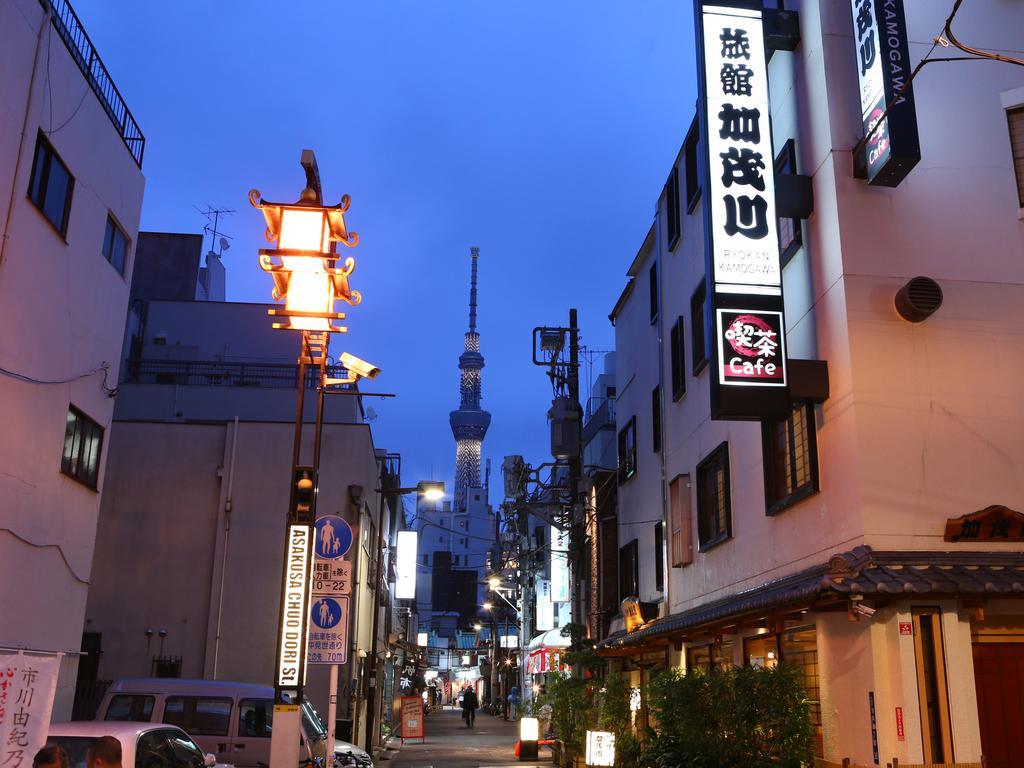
(449, 744)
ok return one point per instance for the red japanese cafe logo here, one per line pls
(751, 348)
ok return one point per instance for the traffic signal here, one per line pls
(303, 502)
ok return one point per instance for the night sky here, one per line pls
(541, 132)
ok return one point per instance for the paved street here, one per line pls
(450, 744)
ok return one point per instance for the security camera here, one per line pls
(863, 610)
(360, 368)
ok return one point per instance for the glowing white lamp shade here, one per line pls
(600, 748)
(529, 729)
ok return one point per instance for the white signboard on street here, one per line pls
(328, 630)
(27, 685)
(296, 590)
(545, 608)
(405, 565)
(559, 565)
(332, 577)
(741, 195)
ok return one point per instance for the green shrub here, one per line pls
(730, 718)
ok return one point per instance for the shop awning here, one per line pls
(553, 638)
(861, 572)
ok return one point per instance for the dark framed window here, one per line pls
(629, 571)
(697, 343)
(627, 451)
(690, 158)
(115, 245)
(168, 666)
(790, 449)
(659, 556)
(677, 351)
(652, 275)
(656, 419)
(51, 185)
(714, 514)
(672, 228)
(83, 439)
(791, 235)
(1015, 121)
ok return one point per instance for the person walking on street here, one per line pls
(469, 707)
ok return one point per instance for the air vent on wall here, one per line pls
(918, 299)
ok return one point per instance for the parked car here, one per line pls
(143, 745)
(229, 719)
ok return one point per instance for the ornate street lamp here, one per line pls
(304, 267)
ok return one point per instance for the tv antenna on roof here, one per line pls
(212, 216)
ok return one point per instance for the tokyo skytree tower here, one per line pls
(469, 423)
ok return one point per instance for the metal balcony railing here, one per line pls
(600, 414)
(193, 373)
(71, 31)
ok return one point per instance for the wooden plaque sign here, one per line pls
(994, 523)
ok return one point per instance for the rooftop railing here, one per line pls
(71, 31)
(193, 373)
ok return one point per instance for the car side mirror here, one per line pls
(209, 760)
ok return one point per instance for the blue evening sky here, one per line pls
(540, 131)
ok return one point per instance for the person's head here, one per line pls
(50, 756)
(105, 752)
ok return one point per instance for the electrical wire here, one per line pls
(103, 368)
(60, 551)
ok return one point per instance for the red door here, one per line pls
(999, 676)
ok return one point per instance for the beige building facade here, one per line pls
(833, 539)
(71, 190)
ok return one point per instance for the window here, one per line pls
(166, 666)
(115, 245)
(791, 235)
(627, 451)
(672, 208)
(134, 708)
(51, 185)
(692, 175)
(659, 556)
(761, 651)
(700, 355)
(677, 347)
(150, 750)
(1015, 118)
(681, 546)
(800, 649)
(656, 419)
(83, 439)
(653, 278)
(184, 752)
(790, 458)
(713, 513)
(932, 685)
(201, 716)
(629, 571)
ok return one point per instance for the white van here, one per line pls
(231, 720)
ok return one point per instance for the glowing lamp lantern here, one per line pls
(529, 732)
(303, 265)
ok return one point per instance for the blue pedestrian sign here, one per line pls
(326, 612)
(333, 537)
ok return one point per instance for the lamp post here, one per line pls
(303, 265)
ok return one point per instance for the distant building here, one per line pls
(70, 197)
(872, 535)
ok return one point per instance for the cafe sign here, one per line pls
(883, 72)
(743, 265)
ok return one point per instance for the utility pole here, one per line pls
(577, 531)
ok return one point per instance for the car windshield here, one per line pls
(311, 721)
(75, 746)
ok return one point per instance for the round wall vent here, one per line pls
(918, 299)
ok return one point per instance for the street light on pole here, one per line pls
(303, 266)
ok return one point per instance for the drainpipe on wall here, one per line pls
(665, 530)
(227, 537)
(24, 130)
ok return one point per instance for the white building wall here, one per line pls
(62, 311)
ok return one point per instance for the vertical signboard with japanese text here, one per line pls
(27, 685)
(559, 565)
(744, 271)
(883, 73)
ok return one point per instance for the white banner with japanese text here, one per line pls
(27, 686)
